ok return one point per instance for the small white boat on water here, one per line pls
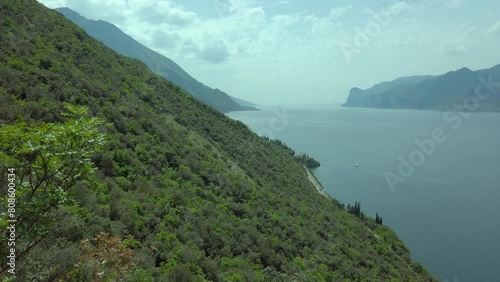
(357, 164)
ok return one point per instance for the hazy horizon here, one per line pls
(288, 52)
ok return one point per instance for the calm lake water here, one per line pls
(447, 211)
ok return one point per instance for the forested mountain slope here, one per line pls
(180, 191)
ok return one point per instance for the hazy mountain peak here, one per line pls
(425, 92)
(124, 44)
(464, 69)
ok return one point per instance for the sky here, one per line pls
(306, 52)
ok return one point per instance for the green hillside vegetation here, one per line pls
(301, 158)
(307, 161)
(123, 176)
(455, 90)
(117, 40)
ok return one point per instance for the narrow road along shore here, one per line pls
(316, 183)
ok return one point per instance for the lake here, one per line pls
(434, 179)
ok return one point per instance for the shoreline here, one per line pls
(315, 182)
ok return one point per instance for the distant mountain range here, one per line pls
(245, 103)
(453, 90)
(122, 43)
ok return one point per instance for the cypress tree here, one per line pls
(357, 209)
(378, 219)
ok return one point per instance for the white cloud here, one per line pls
(494, 29)
(285, 20)
(281, 3)
(256, 14)
(164, 38)
(160, 12)
(214, 50)
(222, 8)
(453, 4)
(459, 44)
(245, 46)
(179, 17)
(339, 11)
(242, 6)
